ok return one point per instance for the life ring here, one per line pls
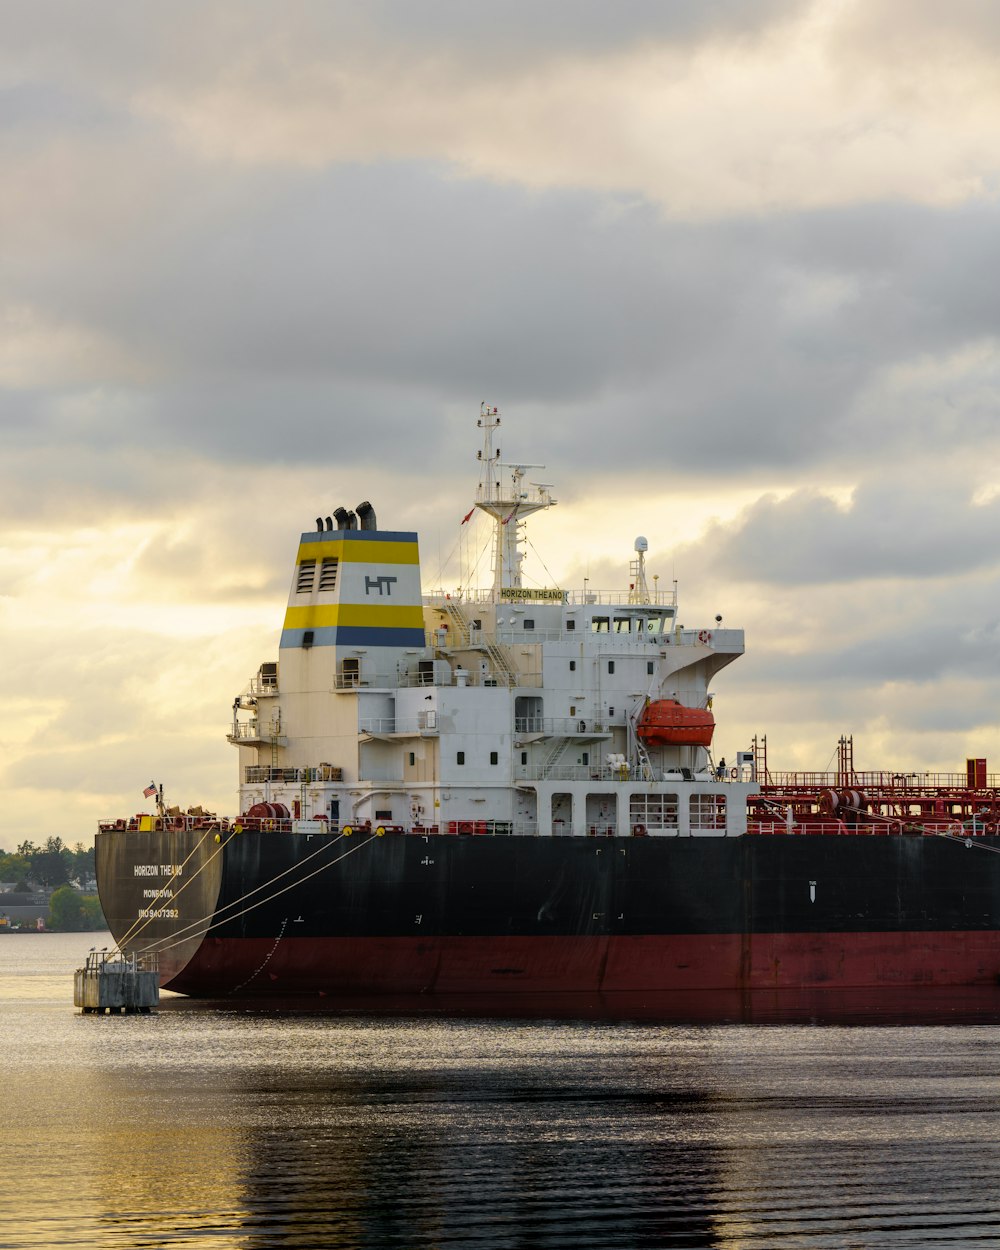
(218, 837)
(380, 831)
(734, 773)
(704, 635)
(638, 831)
(347, 831)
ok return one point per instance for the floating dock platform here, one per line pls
(116, 982)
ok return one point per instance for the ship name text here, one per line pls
(527, 595)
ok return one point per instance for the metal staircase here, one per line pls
(503, 669)
(459, 622)
(552, 758)
(460, 628)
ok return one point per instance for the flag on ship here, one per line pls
(150, 789)
(468, 514)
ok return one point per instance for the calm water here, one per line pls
(208, 1127)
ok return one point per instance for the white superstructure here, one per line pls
(511, 710)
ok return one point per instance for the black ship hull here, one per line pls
(289, 916)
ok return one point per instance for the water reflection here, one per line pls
(227, 1126)
(887, 1006)
(470, 1159)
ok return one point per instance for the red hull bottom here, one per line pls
(508, 967)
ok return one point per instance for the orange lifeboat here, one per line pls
(667, 723)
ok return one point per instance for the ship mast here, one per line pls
(505, 497)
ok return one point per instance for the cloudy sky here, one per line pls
(729, 268)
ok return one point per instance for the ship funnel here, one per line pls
(319, 524)
(341, 515)
(329, 522)
(352, 521)
(366, 515)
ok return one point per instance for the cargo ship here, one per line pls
(512, 793)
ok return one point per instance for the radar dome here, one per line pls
(641, 544)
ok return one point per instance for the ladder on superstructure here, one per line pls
(845, 760)
(503, 670)
(556, 752)
(759, 748)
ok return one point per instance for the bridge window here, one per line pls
(600, 624)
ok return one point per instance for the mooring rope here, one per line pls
(134, 932)
(220, 920)
(236, 902)
(970, 841)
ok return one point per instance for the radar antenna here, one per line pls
(638, 591)
(504, 496)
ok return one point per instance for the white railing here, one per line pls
(585, 597)
(567, 772)
(254, 731)
(261, 688)
(561, 726)
(512, 636)
(426, 722)
(607, 772)
(258, 774)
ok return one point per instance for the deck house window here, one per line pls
(708, 811)
(656, 813)
(460, 757)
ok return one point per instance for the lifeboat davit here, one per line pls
(667, 723)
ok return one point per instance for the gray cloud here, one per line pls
(351, 307)
(895, 528)
(202, 345)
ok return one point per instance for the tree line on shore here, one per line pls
(65, 871)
